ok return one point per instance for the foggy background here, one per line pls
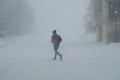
(26, 52)
(19, 17)
(66, 16)
(16, 17)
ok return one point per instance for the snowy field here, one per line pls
(25, 58)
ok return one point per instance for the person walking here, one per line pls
(56, 40)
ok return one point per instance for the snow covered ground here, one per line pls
(25, 58)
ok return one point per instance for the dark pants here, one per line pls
(56, 46)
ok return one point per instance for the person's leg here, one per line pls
(58, 52)
(56, 46)
(55, 56)
(59, 55)
(55, 51)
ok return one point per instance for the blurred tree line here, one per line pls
(16, 17)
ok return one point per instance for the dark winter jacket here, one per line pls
(56, 39)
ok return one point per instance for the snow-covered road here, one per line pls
(26, 59)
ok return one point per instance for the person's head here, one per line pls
(54, 32)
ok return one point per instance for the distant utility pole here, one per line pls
(116, 26)
(114, 15)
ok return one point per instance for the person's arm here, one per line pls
(60, 38)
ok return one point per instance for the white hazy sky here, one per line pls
(64, 15)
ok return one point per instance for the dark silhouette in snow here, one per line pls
(56, 40)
